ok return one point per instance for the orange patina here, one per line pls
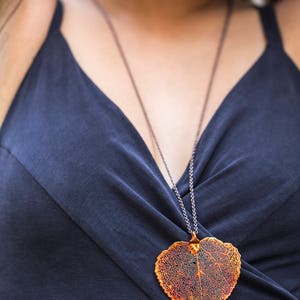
(199, 269)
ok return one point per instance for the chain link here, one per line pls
(191, 162)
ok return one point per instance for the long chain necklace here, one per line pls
(198, 269)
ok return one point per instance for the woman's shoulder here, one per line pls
(23, 28)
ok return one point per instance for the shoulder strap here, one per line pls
(57, 17)
(270, 25)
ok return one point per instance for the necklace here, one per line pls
(196, 269)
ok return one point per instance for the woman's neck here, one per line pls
(160, 10)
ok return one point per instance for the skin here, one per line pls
(170, 45)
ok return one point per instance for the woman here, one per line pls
(87, 203)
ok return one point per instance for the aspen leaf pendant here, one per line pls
(205, 269)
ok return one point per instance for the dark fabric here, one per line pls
(84, 209)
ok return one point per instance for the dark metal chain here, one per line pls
(191, 162)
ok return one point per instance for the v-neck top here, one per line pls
(85, 210)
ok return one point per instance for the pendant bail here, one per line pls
(194, 244)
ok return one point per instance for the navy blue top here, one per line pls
(85, 210)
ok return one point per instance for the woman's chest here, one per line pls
(86, 154)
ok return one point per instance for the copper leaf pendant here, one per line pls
(205, 269)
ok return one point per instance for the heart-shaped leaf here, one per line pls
(200, 270)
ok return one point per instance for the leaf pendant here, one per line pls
(205, 269)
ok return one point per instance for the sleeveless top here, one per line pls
(85, 210)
